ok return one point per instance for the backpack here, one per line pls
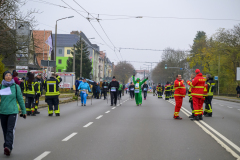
(15, 88)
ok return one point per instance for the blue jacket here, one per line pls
(84, 85)
(98, 89)
(76, 83)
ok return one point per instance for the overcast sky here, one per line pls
(142, 33)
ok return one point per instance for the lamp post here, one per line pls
(55, 51)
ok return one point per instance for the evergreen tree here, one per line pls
(86, 62)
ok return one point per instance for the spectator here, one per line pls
(98, 90)
(15, 78)
(238, 91)
(76, 86)
(9, 111)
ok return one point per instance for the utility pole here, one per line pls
(218, 72)
(43, 48)
(81, 56)
(74, 59)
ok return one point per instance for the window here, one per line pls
(59, 70)
(59, 61)
(59, 51)
(68, 51)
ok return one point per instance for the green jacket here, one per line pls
(8, 104)
(120, 87)
(140, 83)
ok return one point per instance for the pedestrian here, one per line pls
(208, 100)
(15, 77)
(145, 89)
(137, 90)
(51, 86)
(171, 93)
(159, 90)
(84, 88)
(167, 91)
(180, 92)
(123, 88)
(154, 89)
(113, 86)
(238, 91)
(98, 90)
(9, 111)
(120, 91)
(76, 86)
(30, 90)
(131, 90)
(105, 88)
(193, 75)
(197, 94)
(94, 89)
(39, 93)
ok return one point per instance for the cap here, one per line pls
(113, 77)
(197, 71)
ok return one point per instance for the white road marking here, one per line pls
(229, 107)
(87, 125)
(70, 136)
(99, 117)
(214, 137)
(239, 109)
(113, 107)
(221, 105)
(107, 112)
(44, 154)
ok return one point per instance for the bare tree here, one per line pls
(123, 71)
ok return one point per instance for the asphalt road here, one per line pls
(128, 132)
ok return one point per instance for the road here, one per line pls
(128, 132)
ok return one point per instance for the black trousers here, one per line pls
(104, 94)
(114, 97)
(30, 104)
(120, 93)
(53, 102)
(76, 92)
(145, 94)
(132, 94)
(8, 123)
(208, 104)
(36, 101)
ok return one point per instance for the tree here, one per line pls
(2, 68)
(86, 62)
(123, 71)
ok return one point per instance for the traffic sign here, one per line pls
(216, 78)
(238, 74)
(48, 63)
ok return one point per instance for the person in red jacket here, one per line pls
(180, 92)
(197, 94)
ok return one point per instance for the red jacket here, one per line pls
(179, 87)
(197, 86)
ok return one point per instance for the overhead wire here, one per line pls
(100, 26)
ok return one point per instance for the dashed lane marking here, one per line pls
(113, 107)
(69, 137)
(87, 125)
(229, 107)
(99, 117)
(239, 109)
(44, 154)
(107, 112)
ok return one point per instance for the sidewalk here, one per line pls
(225, 98)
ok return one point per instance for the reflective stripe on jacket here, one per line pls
(180, 89)
(197, 85)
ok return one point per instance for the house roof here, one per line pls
(65, 40)
(39, 40)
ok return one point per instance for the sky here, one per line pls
(128, 31)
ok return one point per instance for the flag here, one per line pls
(49, 43)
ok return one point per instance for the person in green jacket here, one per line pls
(9, 110)
(120, 91)
(137, 91)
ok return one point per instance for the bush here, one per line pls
(65, 90)
(2, 68)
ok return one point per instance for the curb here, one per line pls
(230, 100)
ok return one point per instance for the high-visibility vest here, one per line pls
(211, 87)
(51, 86)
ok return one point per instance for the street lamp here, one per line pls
(55, 53)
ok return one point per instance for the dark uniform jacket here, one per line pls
(105, 86)
(145, 86)
(51, 86)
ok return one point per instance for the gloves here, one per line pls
(147, 78)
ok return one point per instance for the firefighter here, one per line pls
(30, 91)
(40, 82)
(180, 92)
(113, 86)
(171, 93)
(197, 94)
(190, 96)
(104, 89)
(52, 94)
(208, 100)
(159, 90)
(137, 91)
(167, 90)
(154, 89)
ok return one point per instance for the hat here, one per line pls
(197, 71)
(4, 74)
(114, 77)
(138, 79)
